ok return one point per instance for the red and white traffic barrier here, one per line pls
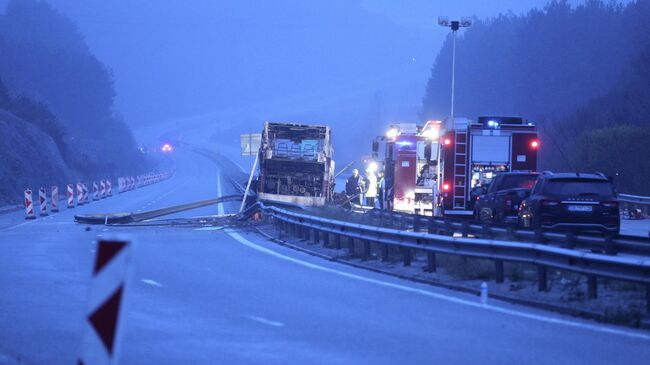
(29, 205)
(42, 200)
(70, 195)
(86, 199)
(109, 188)
(102, 189)
(55, 198)
(80, 194)
(105, 311)
(95, 190)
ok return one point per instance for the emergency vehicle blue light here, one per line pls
(493, 124)
(403, 143)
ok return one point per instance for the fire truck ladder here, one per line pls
(460, 164)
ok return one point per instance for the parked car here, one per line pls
(499, 202)
(572, 201)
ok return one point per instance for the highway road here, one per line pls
(224, 296)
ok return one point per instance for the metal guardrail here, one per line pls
(608, 244)
(543, 256)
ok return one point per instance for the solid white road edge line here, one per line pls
(448, 298)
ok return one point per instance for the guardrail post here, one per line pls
(486, 233)
(570, 240)
(542, 278)
(416, 224)
(337, 241)
(647, 298)
(539, 235)
(365, 254)
(464, 229)
(592, 287)
(326, 238)
(431, 228)
(351, 246)
(431, 262)
(279, 226)
(384, 252)
(313, 235)
(498, 268)
(610, 247)
(449, 231)
(407, 256)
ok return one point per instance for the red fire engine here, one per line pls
(474, 152)
(410, 160)
(435, 166)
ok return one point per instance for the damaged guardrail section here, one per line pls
(593, 265)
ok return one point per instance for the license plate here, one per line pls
(580, 208)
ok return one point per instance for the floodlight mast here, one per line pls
(454, 25)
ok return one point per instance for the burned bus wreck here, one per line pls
(296, 165)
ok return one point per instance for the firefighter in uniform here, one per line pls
(371, 188)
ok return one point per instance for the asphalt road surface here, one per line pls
(224, 296)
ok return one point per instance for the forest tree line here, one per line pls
(581, 73)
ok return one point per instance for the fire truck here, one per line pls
(409, 157)
(436, 168)
(472, 153)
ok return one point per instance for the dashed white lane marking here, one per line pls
(220, 205)
(152, 283)
(217, 228)
(265, 321)
(448, 298)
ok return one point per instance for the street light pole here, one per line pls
(454, 25)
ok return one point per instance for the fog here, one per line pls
(315, 61)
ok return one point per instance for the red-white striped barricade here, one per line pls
(42, 200)
(29, 205)
(106, 302)
(131, 183)
(55, 198)
(80, 194)
(70, 195)
(86, 200)
(102, 189)
(109, 188)
(95, 190)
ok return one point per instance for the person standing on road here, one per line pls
(371, 189)
(381, 187)
(353, 186)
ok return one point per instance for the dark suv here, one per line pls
(572, 201)
(499, 203)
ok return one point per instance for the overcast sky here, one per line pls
(172, 58)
